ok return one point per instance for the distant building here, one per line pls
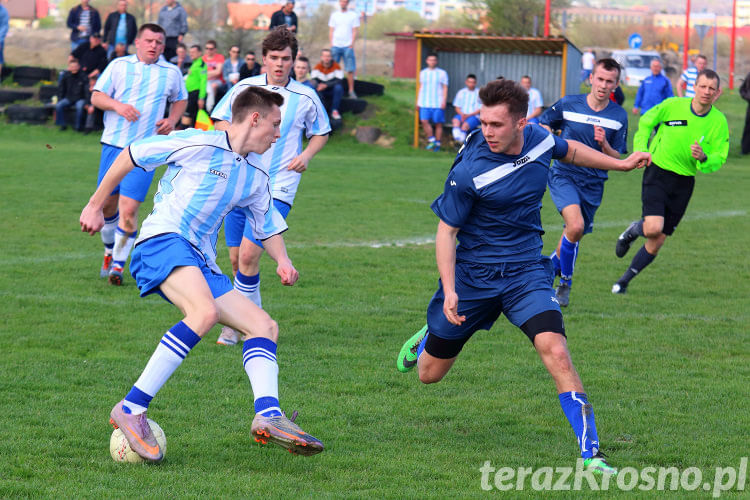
(251, 16)
(589, 15)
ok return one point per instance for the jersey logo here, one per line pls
(521, 161)
(453, 183)
(572, 116)
(217, 172)
(676, 123)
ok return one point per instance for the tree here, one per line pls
(514, 17)
(393, 21)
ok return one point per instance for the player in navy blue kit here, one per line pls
(594, 120)
(491, 203)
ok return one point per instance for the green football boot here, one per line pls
(599, 466)
(407, 358)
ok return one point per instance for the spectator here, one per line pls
(196, 83)
(4, 22)
(653, 90)
(587, 65)
(745, 94)
(466, 104)
(173, 18)
(327, 76)
(182, 60)
(119, 27)
(73, 91)
(92, 56)
(285, 16)
(251, 67)
(93, 115)
(536, 104)
(231, 68)
(433, 92)
(83, 20)
(302, 71)
(120, 51)
(686, 83)
(215, 63)
(341, 33)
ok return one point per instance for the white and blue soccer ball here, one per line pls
(121, 451)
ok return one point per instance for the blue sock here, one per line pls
(568, 254)
(580, 414)
(259, 360)
(555, 261)
(173, 347)
(421, 345)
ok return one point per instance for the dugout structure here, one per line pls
(554, 64)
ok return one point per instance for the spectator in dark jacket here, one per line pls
(119, 27)
(251, 67)
(83, 20)
(91, 55)
(745, 94)
(173, 18)
(328, 78)
(73, 91)
(285, 15)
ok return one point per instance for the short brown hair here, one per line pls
(506, 92)
(155, 28)
(254, 99)
(610, 65)
(278, 39)
(711, 75)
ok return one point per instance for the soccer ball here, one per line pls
(121, 451)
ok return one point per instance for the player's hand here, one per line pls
(130, 113)
(201, 103)
(164, 126)
(639, 159)
(600, 136)
(299, 164)
(287, 273)
(450, 309)
(696, 151)
(92, 220)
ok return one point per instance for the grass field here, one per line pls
(667, 366)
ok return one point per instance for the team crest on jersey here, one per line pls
(217, 172)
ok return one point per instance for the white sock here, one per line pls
(249, 286)
(456, 133)
(108, 232)
(259, 360)
(124, 242)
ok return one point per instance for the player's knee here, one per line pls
(652, 230)
(249, 256)
(574, 230)
(270, 330)
(429, 376)
(203, 318)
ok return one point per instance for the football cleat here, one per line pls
(137, 432)
(562, 293)
(228, 336)
(430, 145)
(626, 239)
(115, 276)
(407, 357)
(283, 432)
(106, 266)
(599, 466)
(619, 288)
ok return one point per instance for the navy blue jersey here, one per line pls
(575, 120)
(495, 199)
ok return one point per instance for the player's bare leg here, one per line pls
(125, 235)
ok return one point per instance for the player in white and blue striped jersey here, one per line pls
(601, 124)
(467, 104)
(433, 94)
(133, 92)
(208, 174)
(302, 113)
(686, 83)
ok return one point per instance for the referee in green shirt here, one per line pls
(691, 135)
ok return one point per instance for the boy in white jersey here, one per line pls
(285, 160)
(175, 257)
(467, 104)
(133, 92)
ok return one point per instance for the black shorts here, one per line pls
(192, 105)
(666, 194)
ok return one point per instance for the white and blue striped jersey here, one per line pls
(467, 100)
(689, 76)
(431, 83)
(204, 180)
(147, 87)
(302, 111)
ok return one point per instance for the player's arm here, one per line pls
(92, 218)
(166, 125)
(277, 251)
(107, 103)
(445, 95)
(681, 85)
(445, 254)
(314, 145)
(584, 156)
(600, 136)
(712, 154)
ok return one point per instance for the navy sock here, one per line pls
(639, 262)
(568, 255)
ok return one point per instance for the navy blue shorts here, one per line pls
(236, 226)
(566, 190)
(435, 115)
(155, 258)
(518, 290)
(135, 185)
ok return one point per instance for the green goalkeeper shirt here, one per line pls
(679, 127)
